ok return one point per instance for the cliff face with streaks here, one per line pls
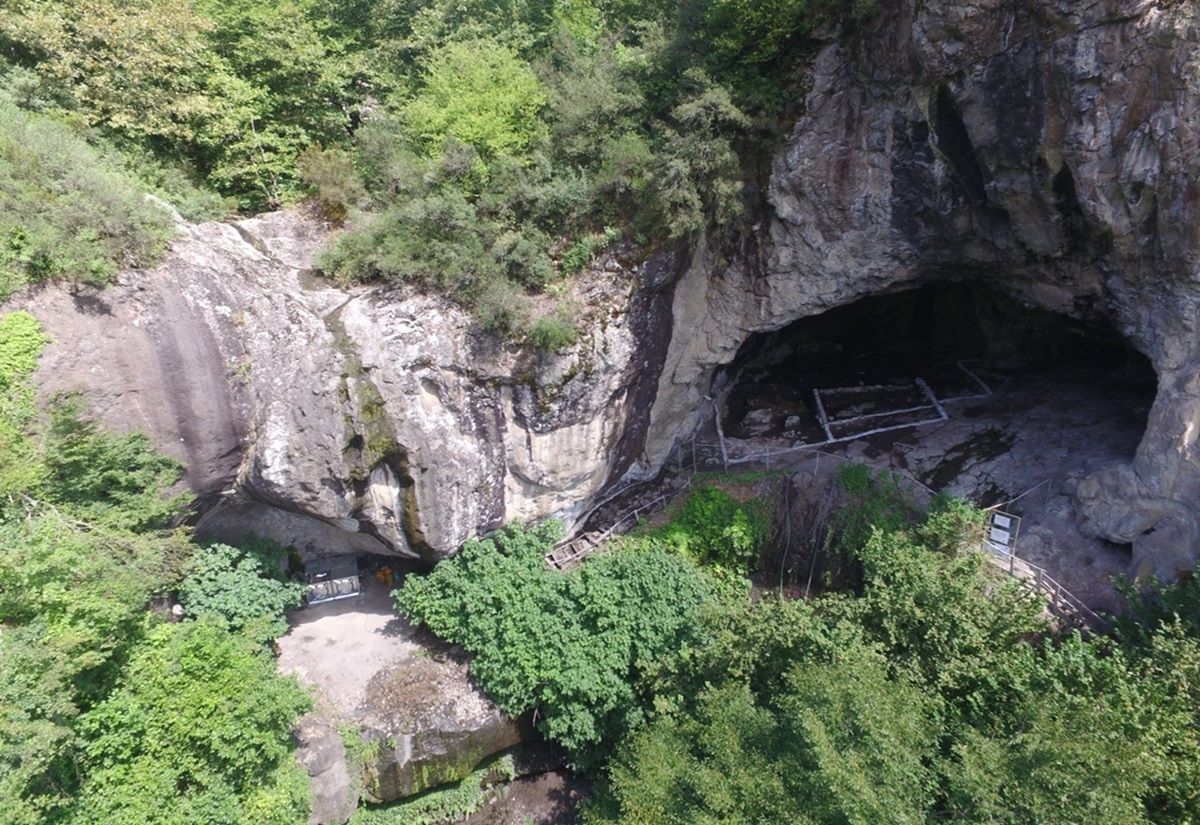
(335, 419)
(1045, 148)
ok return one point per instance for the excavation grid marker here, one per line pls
(925, 388)
(575, 547)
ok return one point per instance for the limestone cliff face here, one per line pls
(1045, 147)
(365, 419)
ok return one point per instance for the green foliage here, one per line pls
(112, 480)
(937, 693)
(757, 31)
(841, 742)
(479, 93)
(197, 731)
(332, 176)
(241, 587)
(449, 803)
(715, 529)
(65, 213)
(569, 645)
(72, 604)
(474, 147)
(105, 716)
(580, 254)
(553, 331)
(21, 343)
(233, 90)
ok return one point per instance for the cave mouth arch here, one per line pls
(898, 361)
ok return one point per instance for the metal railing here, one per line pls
(1061, 601)
(694, 456)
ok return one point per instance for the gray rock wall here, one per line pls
(1046, 147)
(360, 419)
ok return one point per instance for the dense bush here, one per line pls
(569, 646)
(106, 479)
(21, 342)
(105, 714)
(240, 587)
(477, 148)
(64, 211)
(553, 331)
(232, 90)
(936, 692)
(714, 529)
(197, 731)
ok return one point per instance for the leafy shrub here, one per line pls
(713, 528)
(569, 645)
(841, 742)
(479, 93)
(240, 587)
(21, 343)
(198, 731)
(64, 212)
(553, 331)
(331, 173)
(106, 479)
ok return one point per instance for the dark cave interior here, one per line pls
(887, 360)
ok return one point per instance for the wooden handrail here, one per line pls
(1026, 572)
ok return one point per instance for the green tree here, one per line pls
(568, 645)
(714, 529)
(241, 587)
(197, 731)
(842, 743)
(482, 94)
(111, 480)
(65, 212)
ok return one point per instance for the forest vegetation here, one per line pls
(108, 711)
(919, 686)
(482, 149)
(490, 151)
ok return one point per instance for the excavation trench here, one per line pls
(958, 386)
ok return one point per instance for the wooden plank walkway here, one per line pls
(1060, 601)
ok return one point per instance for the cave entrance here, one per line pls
(895, 362)
(957, 386)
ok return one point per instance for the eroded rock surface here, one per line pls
(419, 718)
(369, 420)
(430, 726)
(1044, 147)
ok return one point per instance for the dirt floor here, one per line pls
(337, 647)
(1022, 448)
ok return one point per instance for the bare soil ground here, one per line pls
(337, 647)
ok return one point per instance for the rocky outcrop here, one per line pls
(1045, 147)
(361, 419)
(322, 753)
(429, 725)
